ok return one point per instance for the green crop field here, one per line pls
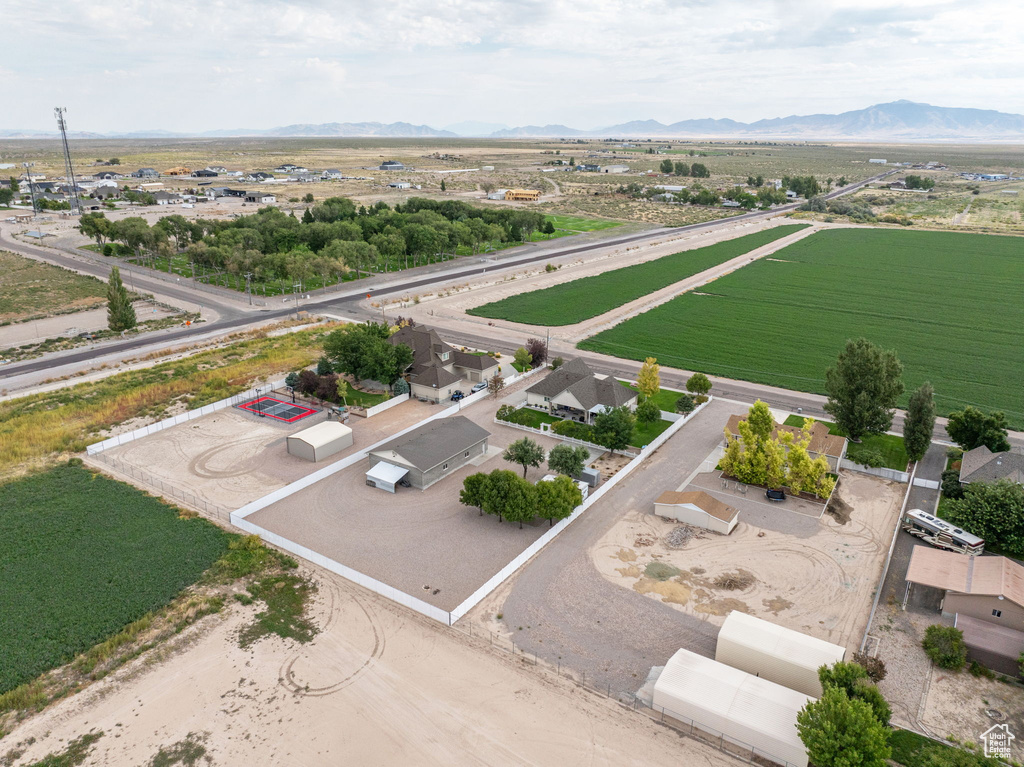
(949, 304)
(81, 556)
(581, 224)
(579, 300)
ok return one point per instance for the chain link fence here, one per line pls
(166, 489)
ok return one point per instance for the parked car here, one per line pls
(479, 387)
(87, 334)
(775, 495)
(457, 395)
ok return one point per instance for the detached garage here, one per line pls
(775, 653)
(748, 711)
(320, 441)
(697, 508)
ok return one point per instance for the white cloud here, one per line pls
(203, 64)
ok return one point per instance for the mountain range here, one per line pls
(896, 120)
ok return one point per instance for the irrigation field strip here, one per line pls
(238, 519)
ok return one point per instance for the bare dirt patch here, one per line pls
(812, 575)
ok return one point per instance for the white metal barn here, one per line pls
(320, 441)
(751, 712)
(775, 653)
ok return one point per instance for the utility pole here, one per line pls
(248, 282)
(69, 171)
(296, 291)
(31, 187)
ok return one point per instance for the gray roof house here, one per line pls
(392, 165)
(982, 465)
(428, 453)
(146, 173)
(438, 368)
(576, 392)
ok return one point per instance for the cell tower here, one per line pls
(69, 172)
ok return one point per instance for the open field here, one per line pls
(579, 300)
(949, 304)
(889, 446)
(82, 556)
(31, 289)
(816, 576)
(35, 428)
(581, 223)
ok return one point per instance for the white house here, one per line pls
(576, 392)
(263, 198)
(697, 508)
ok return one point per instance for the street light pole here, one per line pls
(248, 278)
(295, 292)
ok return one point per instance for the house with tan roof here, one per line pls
(575, 392)
(439, 369)
(982, 465)
(697, 508)
(832, 446)
(985, 595)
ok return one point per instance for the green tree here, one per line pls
(508, 496)
(699, 170)
(667, 166)
(364, 352)
(473, 493)
(538, 350)
(648, 380)
(971, 428)
(292, 380)
(308, 198)
(342, 390)
(685, 404)
(95, 225)
(761, 421)
(698, 384)
(839, 732)
(614, 428)
(444, 188)
(681, 169)
(6, 195)
(920, 422)
(862, 388)
(556, 498)
(993, 511)
(324, 366)
(525, 452)
(120, 312)
(522, 358)
(568, 460)
(944, 645)
(853, 679)
(647, 412)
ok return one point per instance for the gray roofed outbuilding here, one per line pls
(435, 442)
(982, 465)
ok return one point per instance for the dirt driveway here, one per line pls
(811, 575)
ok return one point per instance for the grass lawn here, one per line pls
(364, 398)
(948, 303)
(579, 300)
(31, 289)
(643, 433)
(580, 223)
(664, 399)
(890, 446)
(81, 556)
(913, 750)
(520, 368)
(535, 418)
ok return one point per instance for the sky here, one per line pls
(197, 65)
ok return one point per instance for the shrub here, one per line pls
(944, 645)
(324, 367)
(292, 380)
(556, 363)
(573, 430)
(108, 249)
(647, 412)
(873, 459)
(951, 487)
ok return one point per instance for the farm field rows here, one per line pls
(81, 556)
(948, 303)
(579, 300)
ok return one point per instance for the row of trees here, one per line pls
(331, 239)
(364, 352)
(677, 168)
(765, 196)
(758, 458)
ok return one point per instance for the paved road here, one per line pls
(570, 614)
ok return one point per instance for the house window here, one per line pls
(467, 454)
(997, 613)
(444, 356)
(547, 399)
(444, 468)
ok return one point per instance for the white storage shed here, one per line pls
(751, 712)
(775, 653)
(385, 475)
(320, 441)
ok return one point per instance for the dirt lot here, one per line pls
(233, 457)
(413, 539)
(377, 685)
(815, 576)
(959, 705)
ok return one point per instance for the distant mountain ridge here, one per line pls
(896, 120)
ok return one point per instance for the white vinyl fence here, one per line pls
(167, 423)
(898, 476)
(387, 404)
